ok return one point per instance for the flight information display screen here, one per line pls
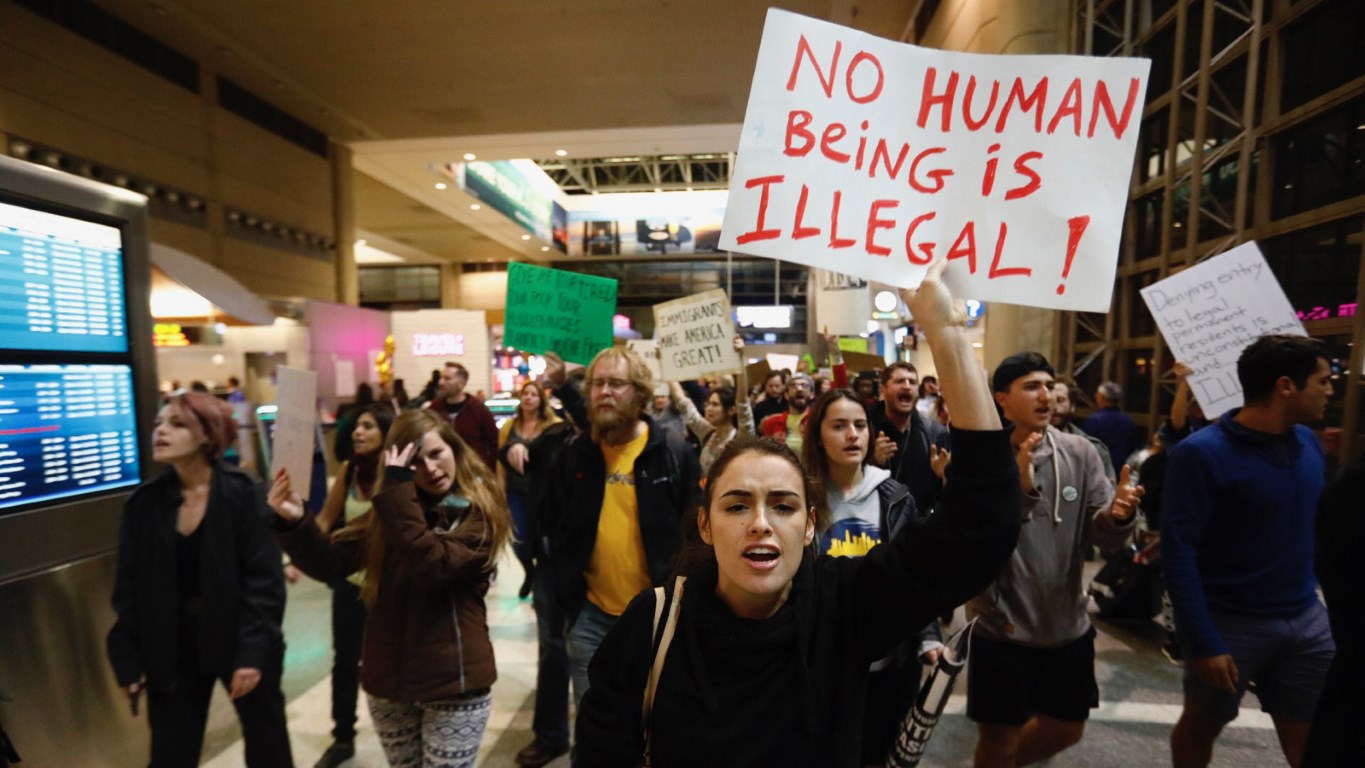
(65, 430)
(61, 283)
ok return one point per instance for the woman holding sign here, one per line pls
(199, 592)
(763, 647)
(428, 549)
(726, 415)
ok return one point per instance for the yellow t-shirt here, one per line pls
(794, 432)
(617, 571)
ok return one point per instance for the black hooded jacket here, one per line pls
(789, 690)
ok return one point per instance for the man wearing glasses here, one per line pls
(614, 520)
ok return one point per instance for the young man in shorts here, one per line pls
(1031, 673)
(1237, 550)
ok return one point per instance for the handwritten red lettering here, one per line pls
(800, 232)
(826, 83)
(944, 101)
(875, 223)
(1022, 167)
(797, 121)
(834, 240)
(998, 271)
(758, 232)
(859, 58)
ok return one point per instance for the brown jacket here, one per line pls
(426, 636)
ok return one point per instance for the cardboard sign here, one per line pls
(857, 362)
(295, 426)
(843, 303)
(648, 350)
(1210, 312)
(551, 310)
(696, 336)
(757, 373)
(874, 158)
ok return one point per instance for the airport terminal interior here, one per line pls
(352, 188)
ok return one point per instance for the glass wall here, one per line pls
(1253, 129)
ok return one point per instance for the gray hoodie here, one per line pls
(856, 519)
(1037, 600)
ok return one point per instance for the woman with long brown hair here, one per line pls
(532, 417)
(428, 549)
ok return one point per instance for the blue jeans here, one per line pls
(551, 723)
(584, 636)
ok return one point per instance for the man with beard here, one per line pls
(1237, 548)
(470, 418)
(613, 516)
(913, 448)
(790, 424)
(1063, 407)
(1031, 684)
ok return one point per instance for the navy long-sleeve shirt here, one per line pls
(1237, 527)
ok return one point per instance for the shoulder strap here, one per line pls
(656, 669)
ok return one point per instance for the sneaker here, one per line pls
(539, 753)
(338, 753)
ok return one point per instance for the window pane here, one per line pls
(1322, 51)
(1320, 161)
(1318, 267)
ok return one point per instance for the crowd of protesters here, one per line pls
(726, 577)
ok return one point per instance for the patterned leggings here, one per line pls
(431, 734)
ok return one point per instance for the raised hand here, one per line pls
(555, 370)
(1127, 497)
(1024, 458)
(401, 457)
(939, 458)
(883, 449)
(932, 304)
(282, 498)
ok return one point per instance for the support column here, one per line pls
(343, 225)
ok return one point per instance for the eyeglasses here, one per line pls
(615, 385)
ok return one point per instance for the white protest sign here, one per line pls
(345, 378)
(1211, 311)
(843, 303)
(695, 336)
(648, 350)
(295, 426)
(874, 158)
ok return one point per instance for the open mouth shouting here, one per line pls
(762, 557)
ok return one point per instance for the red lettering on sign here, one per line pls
(826, 83)
(758, 232)
(874, 223)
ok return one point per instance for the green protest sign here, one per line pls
(551, 310)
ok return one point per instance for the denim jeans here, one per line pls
(584, 636)
(551, 723)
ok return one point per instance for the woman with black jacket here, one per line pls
(199, 592)
(427, 549)
(769, 662)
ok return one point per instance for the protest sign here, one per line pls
(648, 350)
(843, 303)
(874, 158)
(853, 343)
(757, 373)
(1211, 311)
(696, 336)
(296, 396)
(857, 362)
(554, 310)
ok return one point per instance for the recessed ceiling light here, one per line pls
(525, 237)
(475, 207)
(470, 156)
(976, 345)
(560, 152)
(440, 185)
(544, 247)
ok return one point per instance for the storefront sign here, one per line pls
(1210, 312)
(874, 158)
(437, 344)
(552, 310)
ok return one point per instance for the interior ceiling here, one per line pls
(412, 86)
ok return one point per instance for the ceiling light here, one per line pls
(469, 156)
(475, 207)
(440, 185)
(359, 243)
(544, 247)
(885, 301)
(976, 345)
(525, 237)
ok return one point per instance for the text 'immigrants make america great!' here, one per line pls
(874, 158)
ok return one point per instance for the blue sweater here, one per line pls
(1237, 527)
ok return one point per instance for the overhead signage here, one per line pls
(874, 158)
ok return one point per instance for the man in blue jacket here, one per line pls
(1237, 541)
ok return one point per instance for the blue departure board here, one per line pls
(61, 283)
(65, 430)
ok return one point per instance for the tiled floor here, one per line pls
(1140, 694)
